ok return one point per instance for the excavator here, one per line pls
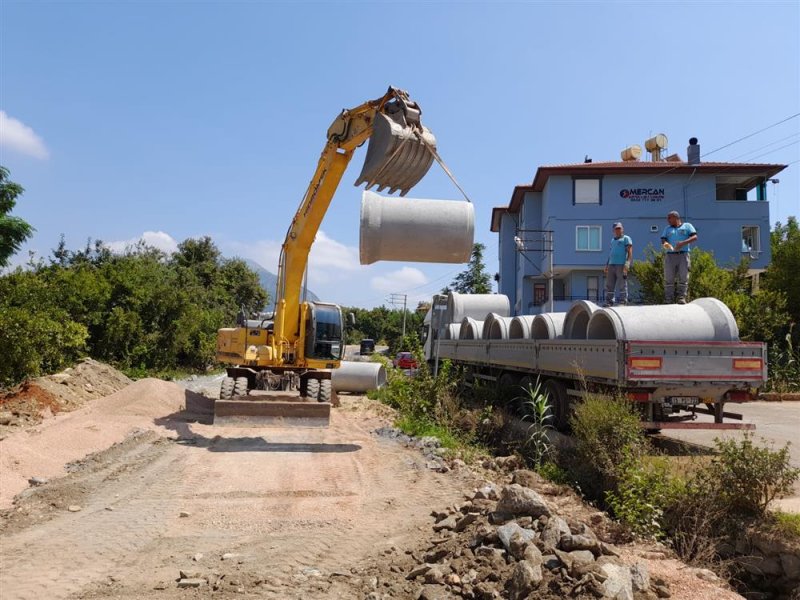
(272, 358)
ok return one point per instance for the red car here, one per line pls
(405, 360)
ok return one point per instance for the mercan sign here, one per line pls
(642, 194)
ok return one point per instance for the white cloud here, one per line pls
(400, 280)
(158, 239)
(17, 136)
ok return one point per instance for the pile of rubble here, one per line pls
(509, 542)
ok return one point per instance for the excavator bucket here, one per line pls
(398, 155)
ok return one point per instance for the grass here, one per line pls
(787, 524)
(425, 428)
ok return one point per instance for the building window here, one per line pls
(592, 287)
(587, 238)
(586, 191)
(539, 294)
(751, 240)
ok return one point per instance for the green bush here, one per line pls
(750, 477)
(607, 432)
(644, 492)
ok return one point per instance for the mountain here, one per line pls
(269, 281)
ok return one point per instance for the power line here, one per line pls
(789, 118)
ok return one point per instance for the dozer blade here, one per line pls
(396, 157)
(273, 410)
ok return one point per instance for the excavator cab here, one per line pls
(324, 332)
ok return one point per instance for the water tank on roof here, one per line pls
(631, 153)
(655, 143)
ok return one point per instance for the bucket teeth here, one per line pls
(396, 157)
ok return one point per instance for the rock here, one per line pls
(653, 555)
(487, 492)
(706, 575)
(519, 500)
(189, 574)
(36, 481)
(489, 552)
(507, 531)
(662, 591)
(550, 562)
(449, 523)
(453, 579)
(161, 585)
(619, 583)
(533, 555)
(526, 478)
(420, 570)
(579, 561)
(197, 557)
(184, 514)
(570, 543)
(597, 518)
(791, 565)
(525, 522)
(640, 577)
(482, 506)
(608, 549)
(191, 583)
(485, 591)
(6, 418)
(74, 508)
(466, 521)
(498, 518)
(508, 462)
(552, 533)
(434, 575)
(436, 555)
(230, 556)
(520, 542)
(525, 578)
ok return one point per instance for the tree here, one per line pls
(474, 279)
(782, 273)
(13, 230)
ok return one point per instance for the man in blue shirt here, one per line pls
(619, 259)
(675, 239)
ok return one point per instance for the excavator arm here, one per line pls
(398, 156)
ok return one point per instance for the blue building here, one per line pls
(559, 226)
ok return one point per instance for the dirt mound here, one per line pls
(44, 450)
(33, 400)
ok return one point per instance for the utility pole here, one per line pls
(394, 300)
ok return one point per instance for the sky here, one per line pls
(169, 120)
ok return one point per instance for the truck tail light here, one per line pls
(747, 364)
(646, 363)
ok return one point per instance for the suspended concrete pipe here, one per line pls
(358, 376)
(520, 327)
(470, 329)
(576, 322)
(476, 306)
(703, 320)
(415, 230)
(496, 327)
(548, 326)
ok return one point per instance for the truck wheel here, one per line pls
(240, 387)
(226, 389)
(559, 403)
(325, 389)
(312, 389)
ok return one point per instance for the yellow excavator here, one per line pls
(295, 349)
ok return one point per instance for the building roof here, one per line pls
(651, 169)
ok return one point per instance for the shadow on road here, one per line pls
(200, 409)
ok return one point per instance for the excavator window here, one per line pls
(324, 332)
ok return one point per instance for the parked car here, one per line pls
(405, 360)
(367, 347)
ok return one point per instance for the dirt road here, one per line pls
(273, 512)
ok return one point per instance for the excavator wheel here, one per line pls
(312, 389)
(240, 386)
(325, 389)
(226, 389)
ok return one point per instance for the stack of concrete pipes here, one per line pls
(703, 320)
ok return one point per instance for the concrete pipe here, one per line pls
(576, 322)
(358, 376)
(520, 327)
(476, 306)
(470, 329)
(548, 326)
(451, 331)
(703, 320)
(496, 327)
(415, 230)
